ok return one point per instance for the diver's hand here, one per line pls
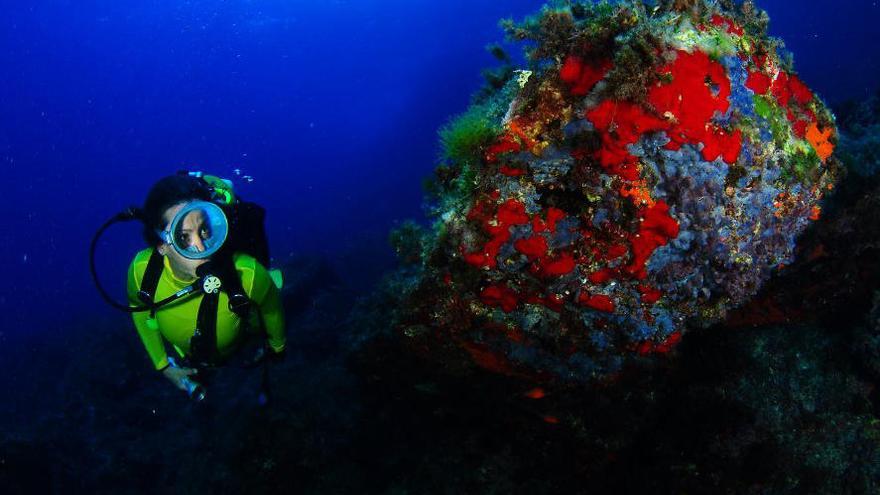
(177, 375)
(182, 379)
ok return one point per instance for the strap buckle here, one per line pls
(145, 297)
(239, 304)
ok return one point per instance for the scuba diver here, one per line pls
(202, 285)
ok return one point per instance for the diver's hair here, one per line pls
(166, 193)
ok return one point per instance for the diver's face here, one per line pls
(191, 233)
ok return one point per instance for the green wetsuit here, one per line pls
(177, 321)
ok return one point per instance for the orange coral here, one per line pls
(820, 140)
(639, 192)
(517, 128)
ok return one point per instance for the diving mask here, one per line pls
(198, 230)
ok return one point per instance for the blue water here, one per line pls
(331, 106)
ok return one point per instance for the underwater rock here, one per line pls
(649, 172)
(774, 409)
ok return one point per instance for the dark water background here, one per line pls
(331, 106)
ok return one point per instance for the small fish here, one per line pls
(236, 171)
(536, 393)
(247, 178)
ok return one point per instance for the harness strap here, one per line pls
(239, 303)
(150, 282)
(203, 344)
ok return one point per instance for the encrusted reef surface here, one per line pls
(648, 171)
(439, 383)
(779, 396)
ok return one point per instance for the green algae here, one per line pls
(464, 138)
